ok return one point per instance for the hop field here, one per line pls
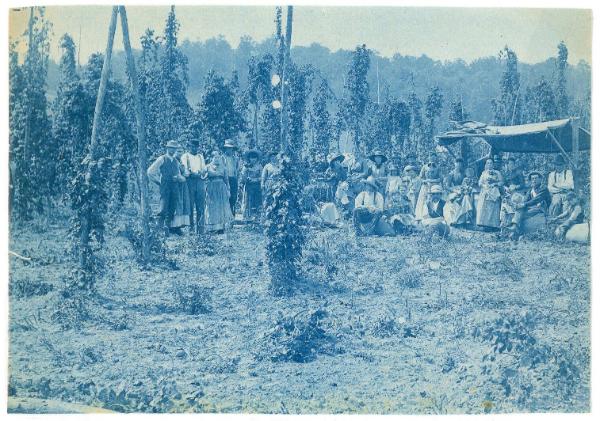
(380, 325)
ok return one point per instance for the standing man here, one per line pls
(194, 170)
(560, 182)
(232, 169)
(165, 172)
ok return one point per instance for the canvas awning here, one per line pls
(542, 137)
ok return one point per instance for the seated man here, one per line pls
(570, 223)
(433, 218)
(560, 182)
(398, 207)
(532, 210)
(368, 209)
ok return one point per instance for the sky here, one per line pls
(440, 33)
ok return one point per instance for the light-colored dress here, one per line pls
(490, 199)
(217, 213)
(431, 176)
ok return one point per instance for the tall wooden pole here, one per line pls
(284, 75)
(141, 136)
(84, 252)
(103, 82)
(575, 151)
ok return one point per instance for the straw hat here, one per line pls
(229, 144)
(335, 157)
(436, 188)
(377, 153)
(172, 144)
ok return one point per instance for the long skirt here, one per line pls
(488, 211)
(252, 201)
(217, 214)
(421, 206)
(181, 217)
(459, 211)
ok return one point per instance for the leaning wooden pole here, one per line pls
(284, 76)
(141, 136)
(94, 150)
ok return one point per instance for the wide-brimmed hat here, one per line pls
(559, 159)
(377, 153)
(436, 188)
(252, 152)
(370, 181)
(534, 173)
(229, 144)
(335, 157)
(410, 168)
(172, 144)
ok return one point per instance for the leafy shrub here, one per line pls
(71, 312)
(300, 338)
(192, 299)
(27, 288)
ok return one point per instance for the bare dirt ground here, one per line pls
(382, 325)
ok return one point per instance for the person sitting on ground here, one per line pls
(560, 182)
(368, 209)
(456, 176)
(398, 208)
(433, 219)
(460, 208)
(378, 169)
(513, 176)
(533, 209)
(335, 174)
(566, 223)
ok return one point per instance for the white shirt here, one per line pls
(193, 164)
(367, 199)
(560, 180)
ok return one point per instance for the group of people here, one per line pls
(203, 194)
(373, 192)
(382, 200)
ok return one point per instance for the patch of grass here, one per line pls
(27, 288)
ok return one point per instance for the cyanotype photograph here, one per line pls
(299, 209)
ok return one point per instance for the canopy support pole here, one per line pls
(557, 143)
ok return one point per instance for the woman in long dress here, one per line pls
(430, 175)
(217, 213)
(490, 198)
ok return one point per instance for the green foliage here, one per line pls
(540, 103)
(507, 106)
(284, 230)
(216, 113)
(72, 117)
(321, 121)
(33, 151)
(356, 89)
(562, 101)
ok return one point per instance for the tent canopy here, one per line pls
(535, 137)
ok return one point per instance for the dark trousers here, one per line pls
(233, 193)
(168, 203)
(197, 190)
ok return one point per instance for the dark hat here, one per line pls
(559, 159)
(534, 173)
(252, 152)
(377, 153)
